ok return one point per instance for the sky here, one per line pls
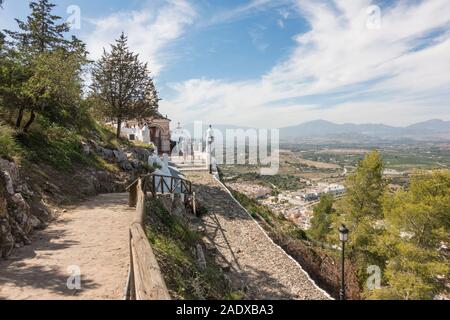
(276, 63)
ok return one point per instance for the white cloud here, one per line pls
(243, 11)
(401, 68)
(149, 31)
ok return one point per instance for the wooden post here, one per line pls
(132, 195)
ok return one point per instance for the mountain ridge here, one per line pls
(323, 128)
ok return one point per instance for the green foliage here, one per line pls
(54, 145)
(402, 232)
(41, 31)
(363, 211)
(124, 84)
(365, 188)
(8, 145)
(41, 71)
(418, 225)
(321, 220)
(174, 245)
(280, 181)
(54, 89)
(256, 210)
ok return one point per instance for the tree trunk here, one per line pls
(119, 125)
(19, 118)
(30, 121)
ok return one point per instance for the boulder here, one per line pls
(119, 155)
(126, 165)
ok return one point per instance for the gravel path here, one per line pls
(92, 236)
(265, 270)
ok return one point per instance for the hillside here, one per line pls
(51, 167)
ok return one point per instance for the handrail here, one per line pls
(163, 184)
(157, 184)
(145, 281)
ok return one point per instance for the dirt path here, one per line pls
(92, 237)
(266, 271)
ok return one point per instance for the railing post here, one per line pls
(132, 196)
(131, 285)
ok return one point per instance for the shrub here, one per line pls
(8, 145)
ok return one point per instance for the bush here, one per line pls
(57, 146)
(8, 145)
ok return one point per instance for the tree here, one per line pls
(417, 231)
(41, 32)
(124, 83)
(54, 89)
(13, 74)
(321, 220)
(361, 210)
(41, 37)
(366, 187)
(363, 202)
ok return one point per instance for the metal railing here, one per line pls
(161, 184)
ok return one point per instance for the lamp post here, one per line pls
(210, 140)
(343, 236)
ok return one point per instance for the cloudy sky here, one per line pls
(277, 63)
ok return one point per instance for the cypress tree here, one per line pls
(124, 84)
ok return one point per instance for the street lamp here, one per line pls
(343, 236)
(210, 140)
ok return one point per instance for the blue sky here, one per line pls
(276, 63)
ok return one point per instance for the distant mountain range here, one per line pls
(436, 128)
(322, 128)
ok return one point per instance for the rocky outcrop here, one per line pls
(128, 159)
(17, 219)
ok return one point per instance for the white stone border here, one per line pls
(270, 239)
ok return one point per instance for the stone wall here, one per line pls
(17, 219)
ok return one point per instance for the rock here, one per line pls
(135, 163)
(12, 169)
(141, 154)
(8, 183)
(17, 220)
(126, 165)
(119, 155)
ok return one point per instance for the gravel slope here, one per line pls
(265, 270)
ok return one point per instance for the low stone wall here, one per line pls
(17, 219)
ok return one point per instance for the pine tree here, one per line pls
(362, 212)
(124, 84)
(321, 220)
(417, 235)
(41, 32)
